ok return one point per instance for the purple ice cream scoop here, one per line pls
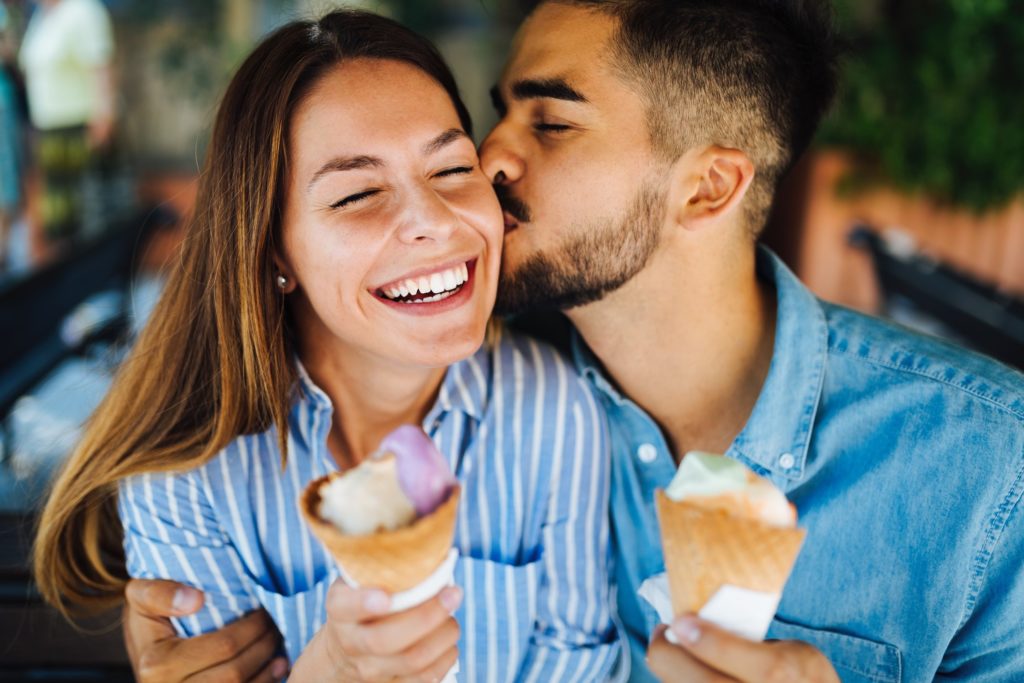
(423, 473)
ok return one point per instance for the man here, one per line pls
(639, 147)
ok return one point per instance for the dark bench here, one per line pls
(983, 317)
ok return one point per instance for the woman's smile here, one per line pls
(429, 292)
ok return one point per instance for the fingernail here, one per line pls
(451, 598)
(377, 601)
(686, 629)
(279, 668)
(185, 600)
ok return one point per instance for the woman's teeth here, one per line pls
(429, 288)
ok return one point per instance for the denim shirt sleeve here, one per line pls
(574, 638)
(989, 646)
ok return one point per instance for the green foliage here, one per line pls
(932, 98)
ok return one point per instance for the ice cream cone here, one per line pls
(705, 549)
(392, 560)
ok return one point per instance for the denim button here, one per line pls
(647, 453)
(786, 461)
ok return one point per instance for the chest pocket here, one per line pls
(298, 616)
(856, 660)
(497, 616)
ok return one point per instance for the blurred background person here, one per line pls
(67, 56)
(11, 132)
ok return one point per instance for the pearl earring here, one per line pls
(282, 282)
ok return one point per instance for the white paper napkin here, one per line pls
(745, 612)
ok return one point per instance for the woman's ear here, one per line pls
(708, 186)
(284, 278)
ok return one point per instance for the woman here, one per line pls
(341, 186)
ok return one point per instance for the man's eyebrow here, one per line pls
(553, 88)
(445, 138)
(344, 164)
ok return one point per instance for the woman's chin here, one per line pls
(444, 351)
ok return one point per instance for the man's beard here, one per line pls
(596, 260)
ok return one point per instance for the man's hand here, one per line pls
(241, 651)
(363, 643)
(707, 653)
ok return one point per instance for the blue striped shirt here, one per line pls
(525, 437)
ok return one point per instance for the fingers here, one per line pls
(436, 671)
(347, 605)
(417, 644)
(275, 671)
(432, 651)
(179, 659)
(148, 633)
(229, 643)
(159, 598)
(672, 663)
(747, 660)
(249, 663)
(401, 631)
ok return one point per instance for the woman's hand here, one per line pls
(361, 642)
(707, 653)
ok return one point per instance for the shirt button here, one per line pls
(647, 453)
(786, 461)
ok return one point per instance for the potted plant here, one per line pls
(926, 136)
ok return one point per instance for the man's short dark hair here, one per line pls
(755, 75)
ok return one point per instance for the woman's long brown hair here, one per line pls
(215, 360)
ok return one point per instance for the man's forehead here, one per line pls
(559, 41)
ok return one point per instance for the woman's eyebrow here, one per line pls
(445, 138)
(362, 161)
(344, 164)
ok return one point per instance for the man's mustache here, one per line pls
(514, 206)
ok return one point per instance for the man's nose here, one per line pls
(499, 159)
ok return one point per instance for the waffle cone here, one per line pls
(706, 549)
(392, 560)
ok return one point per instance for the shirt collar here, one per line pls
(589, 367)
(778, 432)
(308, 389)
(466, 386)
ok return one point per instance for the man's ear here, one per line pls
(709, 185)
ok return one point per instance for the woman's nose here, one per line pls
(428, 218)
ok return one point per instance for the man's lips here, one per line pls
(514, 210)
(510, 221)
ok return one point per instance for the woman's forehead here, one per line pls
(367, 103)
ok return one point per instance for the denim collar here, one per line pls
(778, 432)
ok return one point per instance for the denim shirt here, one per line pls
(904, 456)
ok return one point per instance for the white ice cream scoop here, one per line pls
(404, 479)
